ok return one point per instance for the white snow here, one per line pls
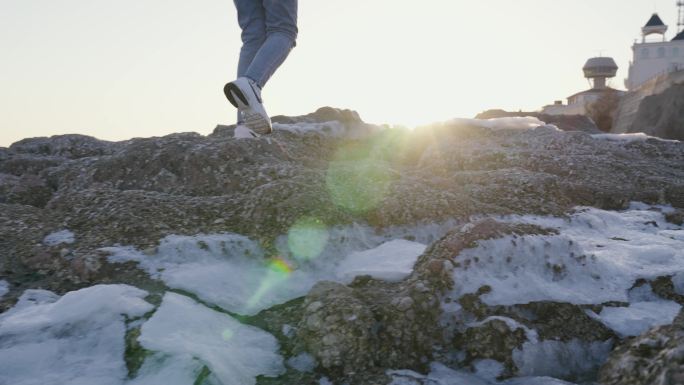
(59, 237)
(512, 324)
(678, 282)
(628, 138)
(443, 375)
(77, 339)
(489, 370)
(639, 317)
(560, 359)
(231, 271)
(168, 370)
(596, 258)
(4, 288)
(332, 128)
(187, 331)
(509, 123)
(391, 261)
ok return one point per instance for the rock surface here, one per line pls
(656, 357)
(87, 194)
(662, 115)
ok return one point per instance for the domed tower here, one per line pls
(654, 26)
(599, 69)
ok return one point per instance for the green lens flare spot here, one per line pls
(307, 238)
(227, 335)
(359, 177)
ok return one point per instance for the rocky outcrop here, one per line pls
(656, 358)
(662, 115)
(333, 167)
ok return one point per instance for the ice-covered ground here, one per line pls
(232, 271)
(596, 257)
(628, 138)
(75, 339)
(183, 332)
(442, 375)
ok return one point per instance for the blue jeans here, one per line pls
(269, 32)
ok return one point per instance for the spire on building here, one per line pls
(654, 25)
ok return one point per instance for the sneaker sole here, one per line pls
(239, 101)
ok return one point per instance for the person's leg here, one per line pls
(281, 36)
(252, 21)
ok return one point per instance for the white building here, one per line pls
(598, 70)
(655, 56)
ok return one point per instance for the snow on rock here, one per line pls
(333, 128)
(639, 317)
(628, 138)
(443, 375)
(560, 359)
(596, 258)
(187, 331)
(59, 237)
(508, 123)
(4, 288)
(73, 340)
(231, 271)
(391, 261)
(168, 370)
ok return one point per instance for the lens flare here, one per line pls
(359, 175)
(227, 335)
(278, 271)
(307, 238)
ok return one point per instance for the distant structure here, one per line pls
(657, 56)
(598, 70)
(657, 64)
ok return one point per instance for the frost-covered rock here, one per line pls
(656, 357)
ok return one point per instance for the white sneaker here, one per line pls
(243, 132)
(245, 95)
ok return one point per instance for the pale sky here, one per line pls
(138, 68)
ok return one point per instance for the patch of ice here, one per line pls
(59, 237)
(439, 375)
(443, 375)
(231, 271)
(489, 370)
(532, 335)
(639, 317)
(332, 128)
(535, 381)
(509, 123)
(596, 257)
(561, 359)
(76, 339)
(304, 363)
(391, 261)
(4, 288)
(168, 370)
(187, 331)
(678, 282)
(628, 138)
